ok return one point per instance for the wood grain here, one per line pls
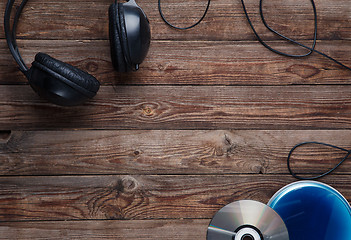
(207, 120)
(191, 62)
(136, 197)
(168, 152)
(183, 107)
(225, 20)
(185, 229)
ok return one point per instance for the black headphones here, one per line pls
(129, 35)
(66, 85)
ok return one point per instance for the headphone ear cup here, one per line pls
(123, 37)
(117, 55)
(61, 83)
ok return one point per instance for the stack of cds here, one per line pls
(305, 210)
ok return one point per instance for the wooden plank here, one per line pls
(183, 107)
(168, 152)
(185, 229)
(191, 62)
(137, 197)
(165, 182)
(225, 20)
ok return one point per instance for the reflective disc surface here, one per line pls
(247, 219)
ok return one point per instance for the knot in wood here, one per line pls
(149, 109)
(160, 67)
(129, 184)
(92, 67)
(229, 145)
(303, 71)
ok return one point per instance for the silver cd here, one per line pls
(247, 220)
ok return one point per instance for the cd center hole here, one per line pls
(247, 237)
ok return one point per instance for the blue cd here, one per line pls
(313, 211)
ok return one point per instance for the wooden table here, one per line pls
(208, 119)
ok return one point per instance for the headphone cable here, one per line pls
(311, 49)
(183, 28)
(348, 152)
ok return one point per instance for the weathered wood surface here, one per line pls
(136, 196)
(184, 107)
(185, 229)
(208, 119)
(87, 19)
(168, 152)
(190, 62)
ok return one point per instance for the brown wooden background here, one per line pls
(207, 120)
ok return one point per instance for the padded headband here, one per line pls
(11, 35)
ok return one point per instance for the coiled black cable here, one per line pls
(348, 152)
(311, 49)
